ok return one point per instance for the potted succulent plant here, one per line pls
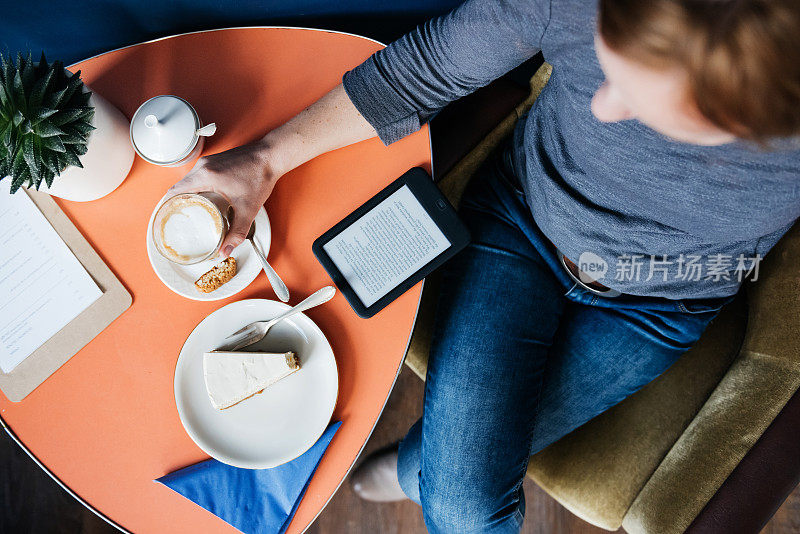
(58, 136)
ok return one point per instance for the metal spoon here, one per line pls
(255, 332)
(281, 291)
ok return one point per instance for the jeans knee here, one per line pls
(463, 508)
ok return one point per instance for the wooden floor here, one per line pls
(33, 503)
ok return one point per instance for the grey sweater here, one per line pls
(667, 218)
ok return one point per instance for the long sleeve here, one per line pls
(398, 88)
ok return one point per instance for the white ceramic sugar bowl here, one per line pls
(166, 130)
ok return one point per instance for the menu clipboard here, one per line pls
(57, 350)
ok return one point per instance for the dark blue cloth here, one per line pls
(77, 29)
(520, 356)
(256, 501)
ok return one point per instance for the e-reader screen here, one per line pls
(391, 242)
(386, 245)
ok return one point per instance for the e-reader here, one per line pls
(391, 242)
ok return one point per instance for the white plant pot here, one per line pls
(108, 158)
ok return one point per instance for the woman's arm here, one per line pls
(400, 87)
(247, 174)
(329, 123)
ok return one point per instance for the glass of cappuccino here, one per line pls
(190, 227)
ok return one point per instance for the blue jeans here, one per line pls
(520, 357)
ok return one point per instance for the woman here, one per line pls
(656, 168)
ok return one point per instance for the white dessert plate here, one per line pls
(272, 427)
(181, 278)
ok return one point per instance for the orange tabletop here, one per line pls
(106, 422)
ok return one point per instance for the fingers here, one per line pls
(236, 234)
(195, 181)
(190, 184)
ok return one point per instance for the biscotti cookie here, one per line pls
(217, 276)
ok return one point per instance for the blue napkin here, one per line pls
(255, 501)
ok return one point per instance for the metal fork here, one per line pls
(255, 332)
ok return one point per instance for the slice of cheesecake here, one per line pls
(231, 377)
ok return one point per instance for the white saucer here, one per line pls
(181, 278)
(270, 428)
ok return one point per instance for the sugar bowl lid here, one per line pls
(164, 129)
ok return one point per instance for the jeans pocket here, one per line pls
(697, 306)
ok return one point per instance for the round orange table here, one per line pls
(105, 423)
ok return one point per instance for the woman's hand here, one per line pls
(247, 174)
(243, 175)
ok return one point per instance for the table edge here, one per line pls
(371, 430)
(16, 439)
(270, 27)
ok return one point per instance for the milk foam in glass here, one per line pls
(189, 228)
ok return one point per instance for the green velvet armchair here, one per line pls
(653, 463)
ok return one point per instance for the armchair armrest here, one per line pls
(771, 469)
(760, 483)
